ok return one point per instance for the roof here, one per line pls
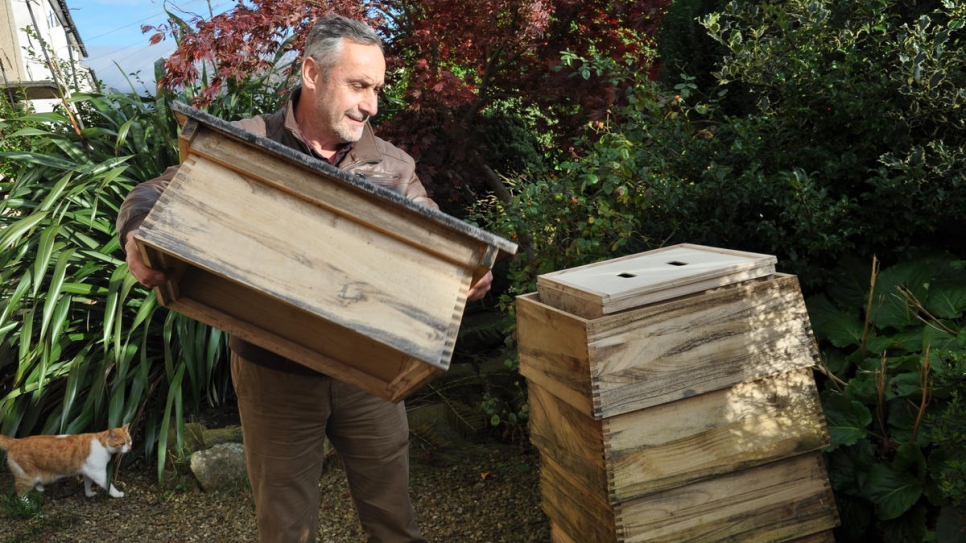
(69, 26)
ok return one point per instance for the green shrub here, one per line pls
(860, 100)
(593, 206)
(28, 506)
(687, 52)
(893, 346)
(851, 142)
(82, 346)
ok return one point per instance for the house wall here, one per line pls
(25, 64)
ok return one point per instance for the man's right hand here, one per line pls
(146, 276)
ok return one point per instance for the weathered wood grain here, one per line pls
(704, 406)
(572, 439)
(318, 344)
(774, 503)
(346, 202)
(697, 344)
(714, 434)
(552, 347)
(415, 307)
(557, 535)
(387, 200)
(822, 537)
(666, 351)
(580, 514)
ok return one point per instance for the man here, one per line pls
(287, 409)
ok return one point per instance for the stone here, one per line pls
(193, 436)
(220, 467)
(217, 436)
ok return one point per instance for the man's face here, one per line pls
(349, 96)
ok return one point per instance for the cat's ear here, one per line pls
(125, 427)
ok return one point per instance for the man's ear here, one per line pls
(310, 73)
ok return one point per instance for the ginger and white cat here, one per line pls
(38, 460)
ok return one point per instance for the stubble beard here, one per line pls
(348, 130)
(349, 134)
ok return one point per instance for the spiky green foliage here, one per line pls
(82, 345)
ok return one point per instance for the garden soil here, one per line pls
(475, 491)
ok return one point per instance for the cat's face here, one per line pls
(119, 440)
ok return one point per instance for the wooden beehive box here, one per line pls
(671, 405)
(312, 263)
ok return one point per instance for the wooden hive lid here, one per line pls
(608, 287)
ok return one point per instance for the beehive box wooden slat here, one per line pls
(312, 263)
(776, 502)
(671, 445)
(668, 350)
(577, 512)
(780, 502)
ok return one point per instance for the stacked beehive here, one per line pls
(672, 400)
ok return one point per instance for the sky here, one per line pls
(111, 32)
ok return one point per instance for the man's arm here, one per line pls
(135, 208)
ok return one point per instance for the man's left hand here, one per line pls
(481, 287)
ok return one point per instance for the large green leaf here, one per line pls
(45, 250)
(73, 387)
(847, 420)
(53, 195)
(890, 311)
(856, 514)
(56, 280)
(13, 298)
(909, 459)
(851, 288)
(893, 493)
(842, 328)
(910, 526)
(904, 385)
(14, 233)
(45, 118)
(40, 160)
(947, 299)
(171, 405)
(72, 318)
(847, 466)
(939, 335)
(863, 387)
(936, 281)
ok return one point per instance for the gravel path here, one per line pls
(467, 493)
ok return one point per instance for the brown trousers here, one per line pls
(285, 418)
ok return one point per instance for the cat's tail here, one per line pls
(6, 442)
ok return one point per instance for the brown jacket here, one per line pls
(369, 154)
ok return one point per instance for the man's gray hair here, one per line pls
(324, 43)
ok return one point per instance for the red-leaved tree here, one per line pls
(456, 58)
